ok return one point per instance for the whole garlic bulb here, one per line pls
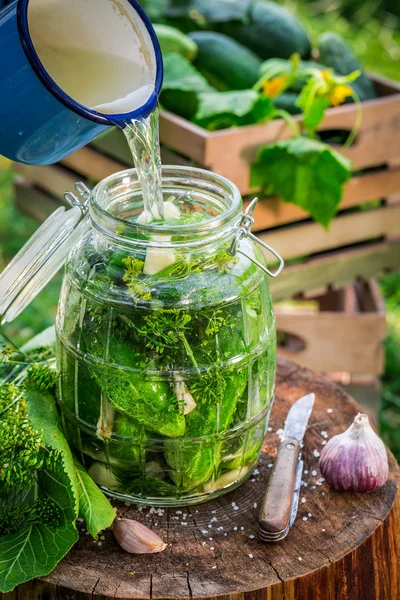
(136, 538)
(355, 460)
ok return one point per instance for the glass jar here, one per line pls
(166, 343)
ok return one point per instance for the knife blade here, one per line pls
(280, 503)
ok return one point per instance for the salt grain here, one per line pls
(204, 531)
(269, 429)
(310, 515)
(305, 472)
(324, 434)
(270, 466)
(209, 526)
(212, 548)
(316, 453)
(242, 529)
(323, 530)
(182, 523)
(279, 431)
(210, 539)
(256, 472)
(329, 410)
(255, 505)
(251, 537)
(178, 512)
(250, 556)
(303, 500)
(225, 534)
(203, 544)
(305, 519)
(214, 567)
(314, 487)
(235, 508)
(235, 529)
(213, 512)
(99, 544)
(323, 443)
(233, 504)
(299, 558)
(314, 473)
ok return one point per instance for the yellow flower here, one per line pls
(275, 86)
(339, 94)
(326, 76)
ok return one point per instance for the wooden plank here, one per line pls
(34, 203)
(272, 211)
(336, 341)
(337, 269)
(183, 136)
(53, 179)
(310, 238)
(92, 164)
(356, 314)
(229, 152)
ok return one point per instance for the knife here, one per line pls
(280, 503)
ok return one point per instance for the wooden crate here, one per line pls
(359, 244)
(340, 333)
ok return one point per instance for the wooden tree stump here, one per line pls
(343, 546)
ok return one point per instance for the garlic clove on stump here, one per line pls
(136, 538)
(355, 460)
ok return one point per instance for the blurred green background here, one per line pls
(372, 28)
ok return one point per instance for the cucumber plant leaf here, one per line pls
(94, 507)
(305, 172)
(219, 110)
(181, 86)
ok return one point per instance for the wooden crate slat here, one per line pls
(310, 238)
(34, 203)
(91, 164)
(337, 269)
(272, 212)
(184, 137)
(113, 144)
(338, 338)
(53, 179)
(230, 152)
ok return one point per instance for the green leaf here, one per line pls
(181, 86)
(94, 507)
(218, 110)
(305, 172)
(43, 413)
(36, 549)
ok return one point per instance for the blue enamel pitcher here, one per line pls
(69, 70)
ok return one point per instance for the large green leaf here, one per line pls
(93, 505)
(219, 110)
(305, 172)
(35, 550)
(43, 413)
(182, 84)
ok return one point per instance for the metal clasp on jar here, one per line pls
(243, 230)
(73, 200)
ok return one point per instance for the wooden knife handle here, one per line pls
(276, 506)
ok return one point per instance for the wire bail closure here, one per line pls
(244, 230)
(73, 200)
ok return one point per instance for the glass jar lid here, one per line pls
(40, 258)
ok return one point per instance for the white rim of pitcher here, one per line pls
(55, 90)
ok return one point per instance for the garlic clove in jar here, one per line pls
(185, 398)
(136, 538)
(355, 460)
